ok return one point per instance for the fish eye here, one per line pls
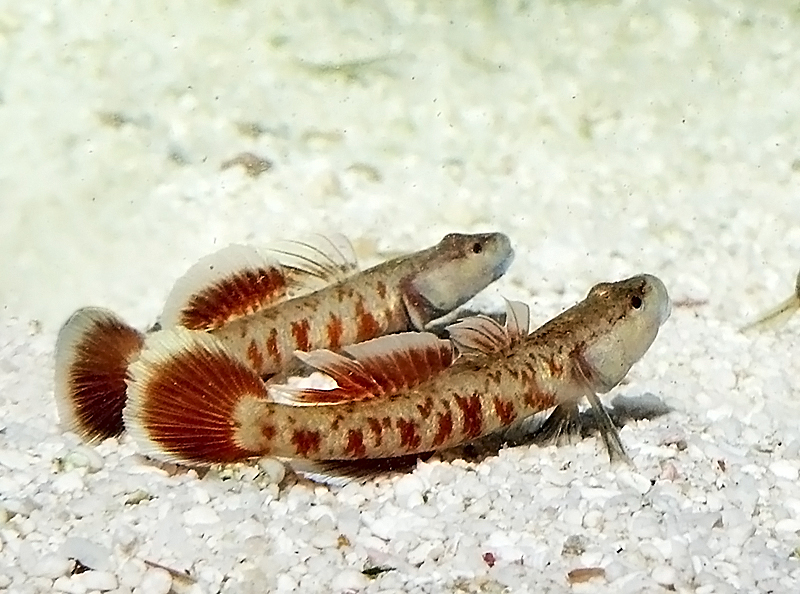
(477, 247)
(636, 302)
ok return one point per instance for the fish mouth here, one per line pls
(661, 295)
(505, 248)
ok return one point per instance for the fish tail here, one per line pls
(192, 401)
(93, 351)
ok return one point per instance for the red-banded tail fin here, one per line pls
(235, 281)
(370, 369)
(191, 401)
(482, 335)
(93, 350)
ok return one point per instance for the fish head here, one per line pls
(458, 267)
(626, 316)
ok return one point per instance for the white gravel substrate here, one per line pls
(605, 139)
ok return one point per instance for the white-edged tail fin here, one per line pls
(191, 401)
(93, 350)
(315, 262)
(233, 282)
(370, 369)
(482, 335)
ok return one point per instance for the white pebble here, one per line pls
(633, 480)
(92, 555)
(202, 514)
(70, 585)
(68, 482)
(787, 525)
(98, 580)
(83, 457)
(155, 581)
(784, 469)
(664, 575)
(53, 566)
(15, 460)
(273, 469)
(349, 580)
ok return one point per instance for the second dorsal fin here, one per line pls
(370, 369)
(482, 335)
(233, 282)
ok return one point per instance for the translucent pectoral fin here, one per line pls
(609, 433)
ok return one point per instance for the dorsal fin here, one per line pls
(315, 262)
(233, 282)
(374, 368)
(518, 319)
(482, 335)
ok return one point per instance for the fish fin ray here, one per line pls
(191, 401)
(315, 262)
(517, 325)
(371, 369)
(479, 335)
(775, 317)
(93, 350)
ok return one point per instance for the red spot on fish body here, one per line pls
(555, 367)
(377, 430)
(268, 431)
(306, 442)
(367, 325)
(300, 330)
(355, 444)
(505, 410)
(334, 330)
(254, 355)
(473, 416)
(445, 429)
(381, 286)
(335, 423)
(409, 438)
(272, 346)
(426, 407)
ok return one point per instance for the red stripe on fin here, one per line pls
(191, 401)
(234, 282)
(371, 369)
(92, 354)
(482, 335)
(315, 262)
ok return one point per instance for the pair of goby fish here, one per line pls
(195, 391)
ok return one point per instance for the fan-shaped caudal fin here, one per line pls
(371, 369)
(191, 401)
(235, 281)
(482, 335)
(93, 350)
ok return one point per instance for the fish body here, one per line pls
(394, 396)
(258, 309)
(402, 294)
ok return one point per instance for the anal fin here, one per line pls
(342, 472)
